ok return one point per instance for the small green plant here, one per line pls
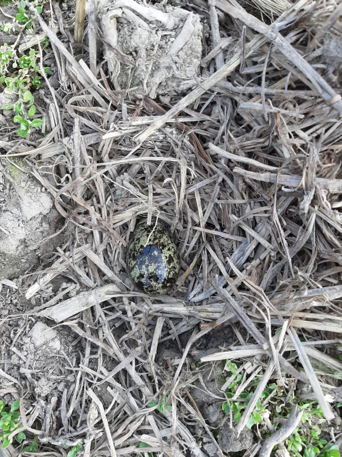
(19, 75)
(310, 410)
(302, 444)
(145, 445)
(9, 422)
(7, 28)
(5, 2)
(306, 441)
(237, 406)
(232, 367)
(331, 450)
(32, 447)
(24, 16)
(74, 450)
(24, 109)
(162, 405)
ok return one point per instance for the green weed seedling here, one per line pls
(24, 16)
(9, 422)
(331, 450)
(310, 410)
(24, 109)
(301, 446)
(32, 447)
(162, 405)
(5, 2)
(21, 75)
(24, 73)
(145, 445)
(73, 451)
(7, 28)
(237, 407)
(310, 445)
(305, 441)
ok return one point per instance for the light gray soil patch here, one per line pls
(27, 217)
(152, 48)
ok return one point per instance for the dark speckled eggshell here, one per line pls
(152, 258)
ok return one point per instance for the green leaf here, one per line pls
(25, 125)
(257, 417)
(22, 133)
(152, 403)
(331, 453)
(237, 417)
(33, 447)
(1, 405)
(15, 406)
(32, 111)
(46, 69)
(30, 103)
(20, 437)
(250, 422)
(6, 443)
(314, 433)
(17, 119)
(27, 96)
(74, 450)
(37, 123)
(7, 107)
(297, 446)
(23, 4)
(18, 109)
(310, 452)
(232, 367)
(225, 407)
(141, 444)
(39, 9)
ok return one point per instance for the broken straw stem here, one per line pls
(284, 432)
(79, 20)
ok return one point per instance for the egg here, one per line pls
(152, 258)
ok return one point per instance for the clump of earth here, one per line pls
(27, 217)
(153, 49)
(40, 357)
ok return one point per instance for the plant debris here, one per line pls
(240, 157)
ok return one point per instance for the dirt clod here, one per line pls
(230, 441)
(26, 218)
(159, 50)
(43, 335)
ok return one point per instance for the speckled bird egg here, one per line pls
(152, 258)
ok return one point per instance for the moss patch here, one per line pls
(6, 2)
